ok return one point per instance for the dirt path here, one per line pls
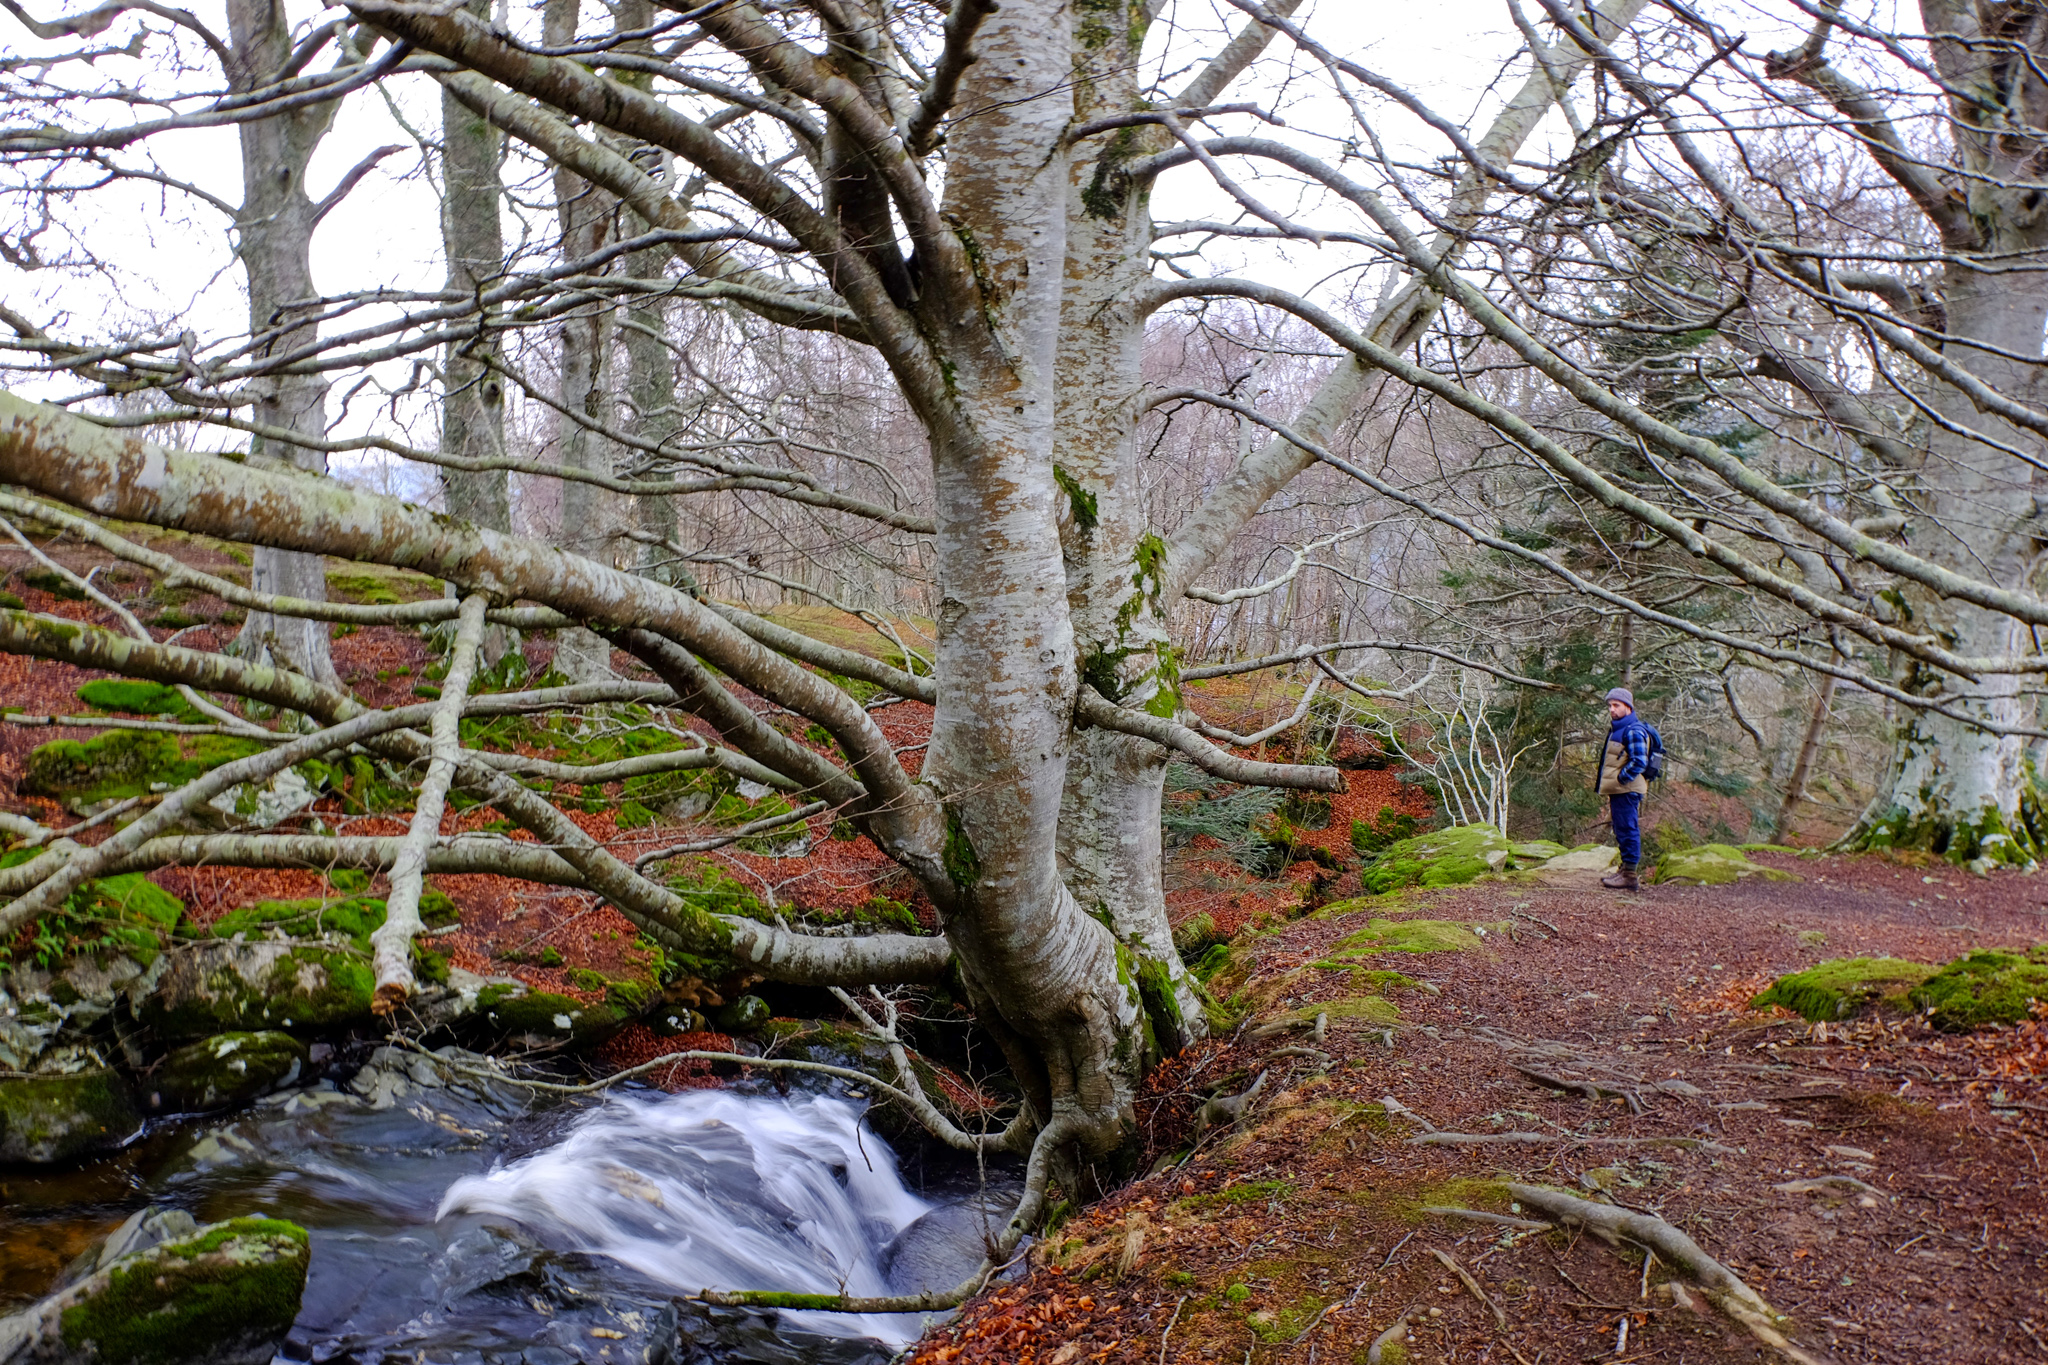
(1302, 1235)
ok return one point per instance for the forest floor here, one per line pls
(1302, 1234)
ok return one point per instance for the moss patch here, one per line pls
(1713, 865)
(124, 763)
(228, 1069)
(1449, 857)
(1984, 987)
(540, 1018)
(235, 1284)
(1835, 989)
(132, 695)
(1409, 936)
(354, 918)
(1249, 1192)
(60, 1118)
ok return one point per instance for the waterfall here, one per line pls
(714, 1190)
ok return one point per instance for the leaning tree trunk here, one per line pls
(274, 229)
(473, 393)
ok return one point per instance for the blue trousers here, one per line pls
(1628, 834)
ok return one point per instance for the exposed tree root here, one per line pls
(1472, 1285)
(1506, 1220)
(1375, 1354)
(1722, 1287)
(1441, 1139)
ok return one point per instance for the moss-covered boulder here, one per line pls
(541, 1019)
(222, 986)
(1834, 990)
(227, 1069)
(1450, 857)
(1713, 865)
(124, 763)
(57, 1118)
(132, 695)
(744, 1015)
(1407, 936)
(1984, 987)
(223, 1295)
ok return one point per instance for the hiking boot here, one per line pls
(1623, 879)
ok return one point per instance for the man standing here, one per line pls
(1623, 763)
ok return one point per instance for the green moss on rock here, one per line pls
(540, 1018)
(1408, 936)
(1713, 865)
(225, 987)
(229, 1069)
(132, 695)
(48, 1119)
(1984, 987)
(228, 1290)
(1835, 989)
(124, 763)
(1449, 857)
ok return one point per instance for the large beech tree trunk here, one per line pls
(1954, 788)
(274, 229)
(1033, 957)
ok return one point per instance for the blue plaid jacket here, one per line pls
(1633, 735)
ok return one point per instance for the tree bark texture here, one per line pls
(1954, 789)
(274, 241)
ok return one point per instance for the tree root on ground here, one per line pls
(1472, 1285)
(1721, 1286)
(1441, 1139)
(1376, 1353)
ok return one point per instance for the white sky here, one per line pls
(172, 259)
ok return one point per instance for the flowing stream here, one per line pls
(454, 1224)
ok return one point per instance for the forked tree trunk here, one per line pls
(274, 229)
(1052, 979)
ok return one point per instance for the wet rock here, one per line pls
(696, 1334)
(48, 1012)
(228, 1069)
(944, 1247)
(223, 986)
(743, 1015)
(219, 1295)
(393, 1076)
(144, 1229)
(55, 1118)
(539, 1019)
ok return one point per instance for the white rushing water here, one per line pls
(712, 1190)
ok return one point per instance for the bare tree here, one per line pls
(906, 267)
